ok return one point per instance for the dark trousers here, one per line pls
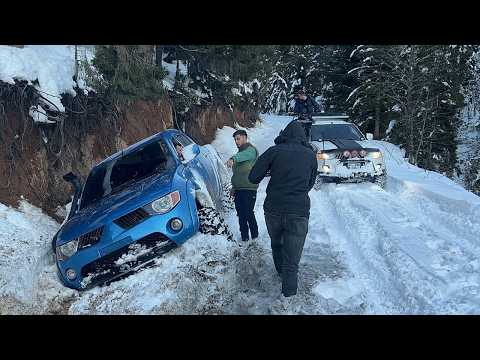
(287, 234)
(244, 204)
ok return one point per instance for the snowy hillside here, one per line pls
(410, 249)
(50, 68)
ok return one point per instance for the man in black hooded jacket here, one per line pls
(292, 165)
(305, 106)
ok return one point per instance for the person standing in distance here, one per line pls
(305, 106)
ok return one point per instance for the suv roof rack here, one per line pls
(330, 115)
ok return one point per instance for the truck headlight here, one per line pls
(376, 154)
(166, 203)
(67, 250)
(322, 156)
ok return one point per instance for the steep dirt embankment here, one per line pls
(202, 123)
(34, 157)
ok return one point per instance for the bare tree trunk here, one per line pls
(158, 55)
(76, 62)
(422, 133)
(177, 70)
(146, 53)
(122, 53)
(376, 132)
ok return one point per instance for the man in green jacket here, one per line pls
(244, 192)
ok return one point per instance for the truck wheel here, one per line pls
(318, 183)
(211, 222)
(380, 180)
(227, 201)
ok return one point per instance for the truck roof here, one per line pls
(330, 117)
(329, 121)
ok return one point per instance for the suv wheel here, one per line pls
(318, 183)
(211, 222)
(380, 180)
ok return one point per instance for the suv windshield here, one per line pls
(118, 174)
(335, 131)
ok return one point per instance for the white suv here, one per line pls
(344, 154)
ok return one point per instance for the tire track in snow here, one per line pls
(456, 223)
(421, 256)
(364, 252)
(458, 215)
(404, 246)
(256, 286)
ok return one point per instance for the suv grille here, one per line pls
(131, 219)
(105, 268)
(90, 238)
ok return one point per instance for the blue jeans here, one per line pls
(244, 204)
(287, 234)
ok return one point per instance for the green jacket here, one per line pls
(243, 163)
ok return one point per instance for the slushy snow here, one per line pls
(412, 248)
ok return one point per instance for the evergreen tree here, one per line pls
(338, 82)
(420, 87)
(126, 72)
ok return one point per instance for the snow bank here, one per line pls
(25, 237)
(53, 66)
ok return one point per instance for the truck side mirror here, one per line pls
(196, 149)
(190, 152)
(77, 186)
(369, 136)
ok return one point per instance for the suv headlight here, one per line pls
(166, 203)
(322, 156)
(67, 250)
(376, 154)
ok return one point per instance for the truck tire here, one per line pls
(211, 222)
(381, 180)
(318, 183)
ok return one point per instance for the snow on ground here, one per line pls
(27, 273)
(412, 248)
(52, 65)
(169, 80)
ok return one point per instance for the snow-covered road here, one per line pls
(412, 248)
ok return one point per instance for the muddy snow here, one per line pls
(412, 248)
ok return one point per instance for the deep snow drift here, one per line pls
(412, 248)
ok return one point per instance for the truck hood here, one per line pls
(116, 205)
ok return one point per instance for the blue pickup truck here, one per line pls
(135, 206)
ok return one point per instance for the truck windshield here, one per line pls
(335, 131)
(124, 171)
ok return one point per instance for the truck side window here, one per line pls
(184, 140)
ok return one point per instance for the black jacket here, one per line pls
(306, 107)
(292, 164)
